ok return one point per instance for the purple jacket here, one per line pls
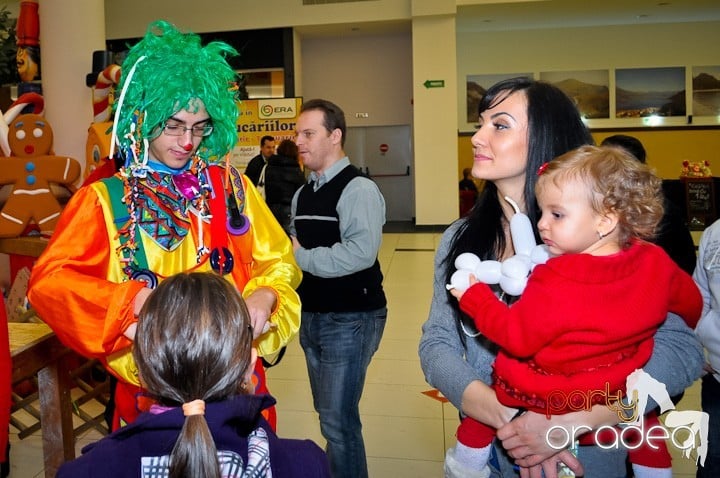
(231, 421)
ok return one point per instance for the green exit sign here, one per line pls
(434, 83)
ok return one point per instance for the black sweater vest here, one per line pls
(317, 225)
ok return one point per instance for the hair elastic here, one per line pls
(196, 407)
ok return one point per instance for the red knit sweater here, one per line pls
(582, 321)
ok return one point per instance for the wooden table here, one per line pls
(36, 350)
(31, 246)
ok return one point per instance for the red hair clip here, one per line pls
(542, 168)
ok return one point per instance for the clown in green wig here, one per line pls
(166, 72)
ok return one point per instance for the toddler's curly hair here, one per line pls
(615, 182)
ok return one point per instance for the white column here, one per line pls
(435, 111)
(70, 30)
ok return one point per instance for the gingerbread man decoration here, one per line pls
(30, 168)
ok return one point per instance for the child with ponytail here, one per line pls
(194, 353)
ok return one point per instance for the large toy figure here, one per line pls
(97, 147)
(30, 167)
(28, 43)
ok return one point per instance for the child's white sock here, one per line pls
(476, 467)
(642, 471)
(474, 458)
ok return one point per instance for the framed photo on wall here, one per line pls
(677, 96)
(646, 92)
(589, 89)
(706, 90)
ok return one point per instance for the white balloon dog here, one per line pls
(512, 273)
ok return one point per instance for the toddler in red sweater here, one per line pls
(587, 317)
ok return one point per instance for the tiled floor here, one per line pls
(26, 459)
(406, 433)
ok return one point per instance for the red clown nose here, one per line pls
(188, 147)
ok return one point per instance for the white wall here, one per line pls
(435, 124)
(370, 75)
(66, 57)
(129, 18)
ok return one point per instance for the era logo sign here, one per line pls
(277, 108)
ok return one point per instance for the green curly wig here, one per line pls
(171, 71)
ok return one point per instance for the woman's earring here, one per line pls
(600, 234)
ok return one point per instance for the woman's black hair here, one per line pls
(554, 128)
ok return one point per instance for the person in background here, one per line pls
(255, 167)
(673, 234)
(466, 183)
(206, 421)
(175, 206)
(336, 234)
(283, 177)
(598, 206)
(468, 193)
(707, 277)
(523, 124)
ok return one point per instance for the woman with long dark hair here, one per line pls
(523, 124)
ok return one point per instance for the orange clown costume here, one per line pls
(78, 285)
(120, 235)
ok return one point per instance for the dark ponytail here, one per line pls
(194, 454)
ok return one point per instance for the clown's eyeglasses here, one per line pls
(198, 131)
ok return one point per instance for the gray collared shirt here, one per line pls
(361, 210)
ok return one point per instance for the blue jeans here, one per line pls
(710, 399)
(338, 348)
